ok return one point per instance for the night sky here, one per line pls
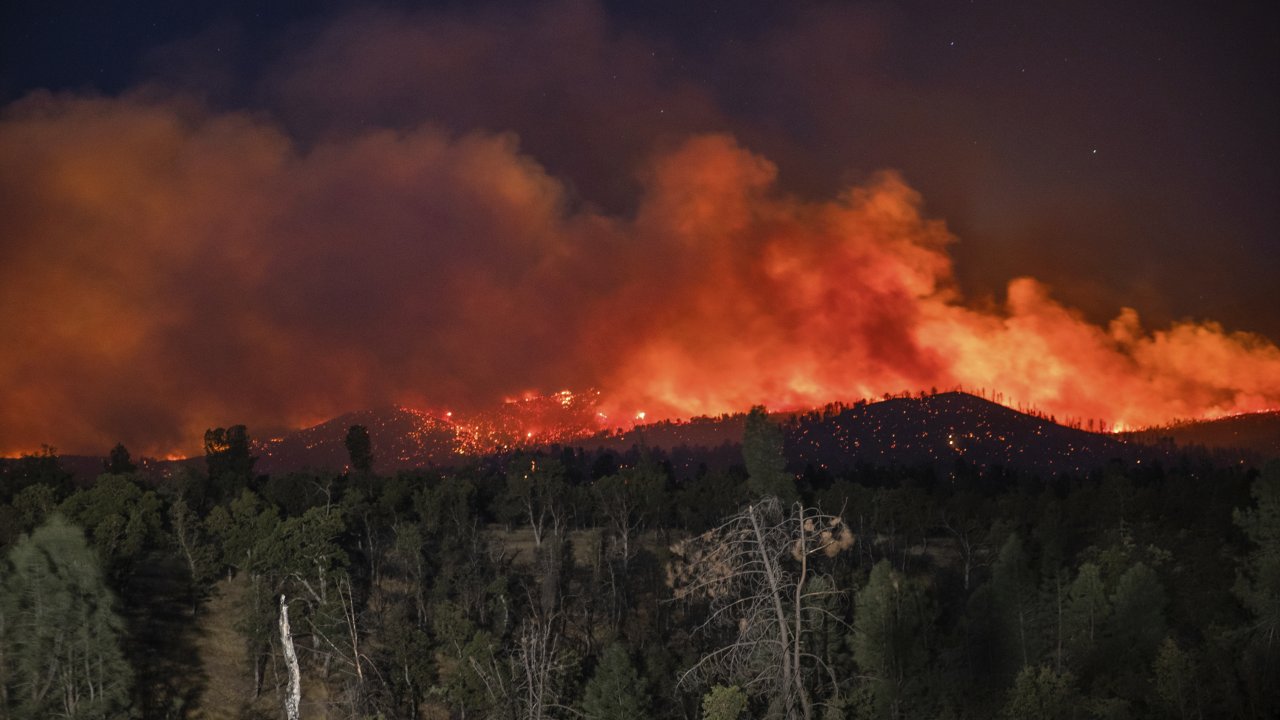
(217, 212)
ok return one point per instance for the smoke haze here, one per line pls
(410, 221)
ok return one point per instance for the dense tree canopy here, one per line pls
(564, 584)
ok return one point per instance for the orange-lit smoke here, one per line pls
(166, 268)
(797, 304)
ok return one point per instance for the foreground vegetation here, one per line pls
(568, 584)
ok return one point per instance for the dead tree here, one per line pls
(756, 571)
(294, 696)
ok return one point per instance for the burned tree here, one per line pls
(757, 571)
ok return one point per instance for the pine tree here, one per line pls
(1015, 591)
(1087, 609)
(1258, 586)
(1042, 694)
(118, 461)
(887, 641)
(616, 691)
(724, 703)
(762, 454)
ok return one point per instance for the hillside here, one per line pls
(402, 438)
(896, 431)
(943, 427)
(1253, 432)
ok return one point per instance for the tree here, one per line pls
(537, 492)
(630, 502)
(888, 641)
(756, 568)
(1014, 587)
(359, 448)
(118, 461)
(724, 703)
(1043, 694)
(120, 519)
(615, 691)
(1258, 589)
(60, 650)
(762, 453)
(228, 459)
(1087, 609)
(1175, 675)
(1258, 584)
(196, 548)
(1137, 615)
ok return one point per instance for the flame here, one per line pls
(800, 303)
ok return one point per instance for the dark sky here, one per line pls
(1123, 154)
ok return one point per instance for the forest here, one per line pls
(569, 583)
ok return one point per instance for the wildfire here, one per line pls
(796, 304)
(477, 277)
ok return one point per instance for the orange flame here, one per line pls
(796, 304)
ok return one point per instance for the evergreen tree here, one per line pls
(359, 448)
(60, 650)
(724, 703)
(1258, 589)
(763, 455)
(118, 461)
(1258, 586)
(887, 636)
(1042, 694)
(616, 691)
(1175, 679)
(1087, 609)
(1137, 624)
(1015, 593)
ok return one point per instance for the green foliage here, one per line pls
(1137, 617)
(616, 691)
(982, 591)
(60, 650)
(33, 505)
(1015, 592)
(194, 544)
(1085, 613)
(1041, 694)
(762, 454)
(296, 492)
(1258, 585)
(119, 517)
(240, 528)
(724, 703)
(705, 499)
(888, 635)
(1175, 674)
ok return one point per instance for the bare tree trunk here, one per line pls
(294, 696)
(775, 593)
